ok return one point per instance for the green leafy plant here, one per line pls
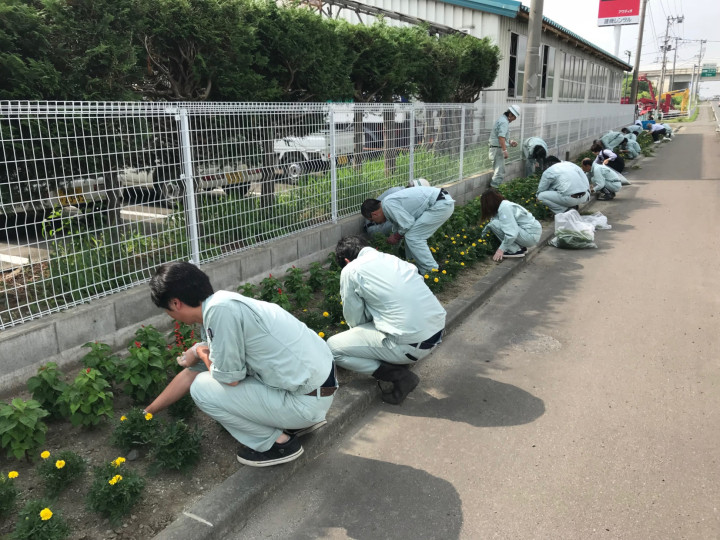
(36, 521)
(183, 338)
(89, 398)
(148, 336)
(114, 491)
(177, 447)
(101, 358)
(317, 274)
(248, 289)
(59, 471)
(8, 493)
(46, 388)
(134, 430)
(21, 427)
(269, 288)
(143, 372)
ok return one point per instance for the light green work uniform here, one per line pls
(515, 227)
(389, 310)
(277, 360)
(559, 182)
(416, 214)
(495, 154)
(602, 176)
(612, 139)
(632, 147)
(527, 151)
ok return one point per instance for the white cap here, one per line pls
(418, 182)
(515, 110)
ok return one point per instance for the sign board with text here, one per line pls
(709, 70)
(617, 12)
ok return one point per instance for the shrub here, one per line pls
(101, 358)
(522, 191)
(8, 493)
(21, 427)
(60, 471)
(134, 430)
(114, 491)
(88, 398)
(143, 372)
(177, 447)
(46, 388)
(36, 521)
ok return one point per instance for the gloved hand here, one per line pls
(394, 238)
(189, 357)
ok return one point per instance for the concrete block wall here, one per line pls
(114, 319)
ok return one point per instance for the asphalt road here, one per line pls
(582, 401)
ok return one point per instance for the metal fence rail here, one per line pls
(93, 196)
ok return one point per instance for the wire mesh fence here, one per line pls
(93, 196)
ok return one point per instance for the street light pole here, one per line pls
(638, 51)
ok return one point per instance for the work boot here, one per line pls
(403, 382)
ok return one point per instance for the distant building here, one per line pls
(572, 68)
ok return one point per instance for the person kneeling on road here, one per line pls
(261, 371)
(516, 228)
(603, 180)
(562, 186)
(415, 214)
(394, 318)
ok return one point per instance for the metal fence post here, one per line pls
(188, 178)
(333, 167)
(411, 152)
(462, 141)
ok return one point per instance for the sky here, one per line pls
(701, 21)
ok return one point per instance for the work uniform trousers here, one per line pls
(364, 348)
(416, 236)
(254, 413)
(527, 237)
(559, 203)
(374, 228)
(612, 185)
(498, 163)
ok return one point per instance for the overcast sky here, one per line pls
(701, 21)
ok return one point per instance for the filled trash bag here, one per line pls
(572, 232)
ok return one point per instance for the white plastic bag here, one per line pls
(597, 220)
(571, 232)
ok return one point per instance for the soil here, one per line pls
(167, 494)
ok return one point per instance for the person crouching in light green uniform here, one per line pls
(498, 143)
(248, 379)
(516, 228)
(394, 318)
(604, 180)
(612, 139)
(534, 151)
(415, 214)
(630, 147)
(562, 186)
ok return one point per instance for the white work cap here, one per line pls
(515, 110)
(418, 182)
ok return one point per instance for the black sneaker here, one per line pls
(523, 249)
(278, 453)
(304, 431)
(514, 255)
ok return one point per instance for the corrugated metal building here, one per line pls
(573, 69)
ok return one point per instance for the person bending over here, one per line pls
(516, 228)
(394, 318)
(607, 157)
(258, 372)
(535, 151)
(562, 186)
(603, 180)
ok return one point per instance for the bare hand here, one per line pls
(505, 153)
(513, 143)
(606, 161)
(394, 238)
(498, 257)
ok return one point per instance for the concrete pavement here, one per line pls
(578, 402)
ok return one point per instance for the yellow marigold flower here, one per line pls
(148, 416)
(432, 249)
(462, 264)
(115, 479)
(434, 270)
(45, 454)
(446, 236)
(59, 464)
(304, 309)
(326, 314)
(342, 322)
(426, 276)
(117, 462)
(462, 253)
(473, 244)
(447, 262)
(123, 418)
(454, 242)
(436, 280)
(321, 334)
(444, 271)
(464, 236)
(45, 514)
(13, 474)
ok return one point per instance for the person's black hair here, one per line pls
(538, 152)
(368, 207)
(597, 146)
(490, 203)
(180, 280)
(587, 161)
(551, 160)
(625, 130)
(349, 248)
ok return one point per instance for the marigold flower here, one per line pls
(326, 314)
(59, 463)
(454, 242)
(13, 474)
(473, 244)
(462, 253)
(444, 271)
(115, 479)
(462, 264)
(321, 334)
(45, 454)
(342, 322)
(148, 416)
(45, 514)
(117, 462)
(426, 276)
(436, 280)
(434, 270)
(123, 418)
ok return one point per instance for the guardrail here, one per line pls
(93, 196)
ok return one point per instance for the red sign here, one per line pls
(615, 12)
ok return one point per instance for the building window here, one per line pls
(516, 68)
(547, 72)
(572, 78)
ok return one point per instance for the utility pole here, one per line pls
(665, 48)
(532, 56)
(636, 69)
(672, 77)
(625, 81)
